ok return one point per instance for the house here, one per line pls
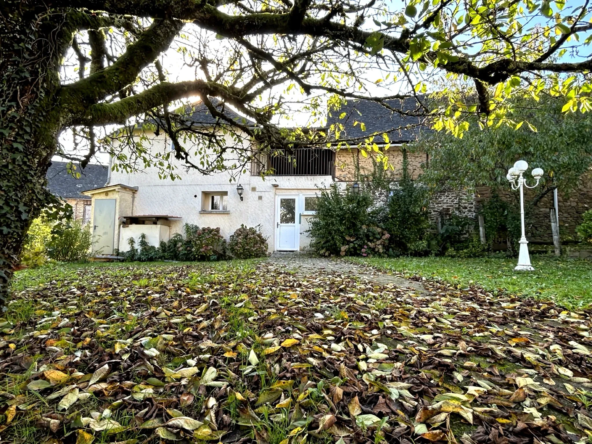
(280, 204)
(69, 187)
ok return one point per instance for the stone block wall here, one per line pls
(451, 201)
(78, 206)
(346, 161)
(571, 208)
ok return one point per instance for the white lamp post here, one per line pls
(517, 181)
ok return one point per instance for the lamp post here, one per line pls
(518, 182)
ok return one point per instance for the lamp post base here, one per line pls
(524, 257)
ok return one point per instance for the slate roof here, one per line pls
(62, 184)
(377, 118)
(200, 115)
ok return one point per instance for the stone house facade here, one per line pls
(281, 204)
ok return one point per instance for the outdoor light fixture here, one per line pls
(518, 182)
(356, 187)
(239, 190)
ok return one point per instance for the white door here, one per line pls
(103, 226)
(287, 224)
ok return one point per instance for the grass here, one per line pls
(566, 281)
(245, 338)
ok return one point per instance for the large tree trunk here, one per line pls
(30, 49)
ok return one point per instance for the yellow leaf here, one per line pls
(10, 413)
(284, 385)
(296, 431)
(230, 354)
(285, 404)
(290, 342)
(354, 407)
(270, 350)
(56, 376)
(84, 437)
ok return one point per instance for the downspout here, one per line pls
(109, 170)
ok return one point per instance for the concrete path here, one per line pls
(311, 266)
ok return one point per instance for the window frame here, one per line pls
(309, 212)
(207, 199)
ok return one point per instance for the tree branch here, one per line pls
(123, 72)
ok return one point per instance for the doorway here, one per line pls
(104, 226)
(287, 224)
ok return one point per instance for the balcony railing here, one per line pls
(300, 162)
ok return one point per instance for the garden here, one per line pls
(249, 351)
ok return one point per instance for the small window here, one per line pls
(310, 204)
(214, 201)
(218, 203)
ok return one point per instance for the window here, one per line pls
(215, 201)
(218, 203)
(310, 204)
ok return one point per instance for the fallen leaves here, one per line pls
(253, 354)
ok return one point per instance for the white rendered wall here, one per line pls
(154, 235)
(182, 198)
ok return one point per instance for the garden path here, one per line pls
(310, 266)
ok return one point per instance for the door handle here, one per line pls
(278, 225)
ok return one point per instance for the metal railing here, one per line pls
(300, 162)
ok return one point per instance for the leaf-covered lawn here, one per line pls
(567, 281)
(249, 352)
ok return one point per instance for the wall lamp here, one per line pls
(240, 190)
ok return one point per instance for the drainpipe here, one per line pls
(109, 170)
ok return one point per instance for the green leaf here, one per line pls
(410, 11)
(563, 28)
(39, 384)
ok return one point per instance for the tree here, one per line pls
(248, 54)
(549, 139)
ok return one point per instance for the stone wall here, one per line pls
(571, 208)
(448, 202)
(346, 161)
(78, 207)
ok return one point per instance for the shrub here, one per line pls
(174, 249)
(458, 237)
(203, 244)
(502, 223)
(370, 241)
(407, 219)
(247, 243)
(132, 253)
(339, 221)
(147, 253)
(585, 228)
(35, 250)
(70, 242)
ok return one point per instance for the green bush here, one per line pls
(35, 250)
(247, 243)
(337, 227)
(502, 223)
(407, 219)
(204, 244)
(584, 230)
(70, 242)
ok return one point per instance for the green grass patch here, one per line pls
(568, 282)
